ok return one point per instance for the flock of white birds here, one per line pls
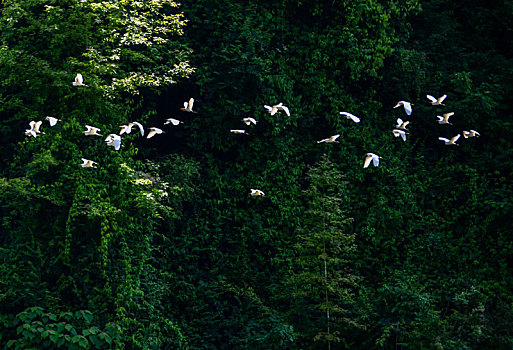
(114, 140)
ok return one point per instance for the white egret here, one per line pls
(450, 142)
(398, 132)
(402, 124)
(173, 121)
(276, 108)
(436, 101)
(79, 80)
(255, 192)
(471, 133)
(406, 105)
(88, 163)
(237, 131)
(91, 130)
(113, 140)
(188, 106)
(444, 119)
(350, 116)
(331, 139)
(52, 120)
(154, 131)
(125, 129)
(249, 121)
(371, 157)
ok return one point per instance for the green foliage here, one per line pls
(162, 244)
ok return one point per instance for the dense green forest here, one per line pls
(161, 246)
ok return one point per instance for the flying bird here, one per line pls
(444, 119)
(471, 133)
(406, 105)
(153, 132)
(398, 132)
(52, 120)
(113, 140)
(436, 101)
(401, 125)
(371, 157)
(276, 108)
(331, 139)
(255, 192)
(350, 116)
(249, 121)
(91, 130)
(86, 163)
(450, 142)
(188, 106)
(125, 129)
(34, 128)
(79, 80)
(173, 121)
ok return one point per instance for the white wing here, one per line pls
(351, 116)
(440, 118)
(455, 138)
(141, 129)
(52, 120)
(79, 80)
(334, 137)
(286, 109)
(185, 104)
(375, 160)
(191, 102)
(403, 136)
(367, 161)
(399, 123)
(444, 139)
(431, 98)
(117, 143)
(441, 99)
(407, 107)
(466, 134)
(269, 108)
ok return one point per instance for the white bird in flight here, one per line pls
(173, 121)
(402, 124)
(52, 120)
(255, 192)
(371, 157)
(398, 132)
(249, 121)
(88, 163)
(113, 140)
(471, 133)
(331, 139)
(237, 131)
(91, 130)
(79, 80)
(436, 101)
(350, 116)
(406, 105)
(450, 142)
(188, 106)
(34, 128)
(154, 131)
(444, 119)
(276, 108)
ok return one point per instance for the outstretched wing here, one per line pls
(367, 161)
(431, 98)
